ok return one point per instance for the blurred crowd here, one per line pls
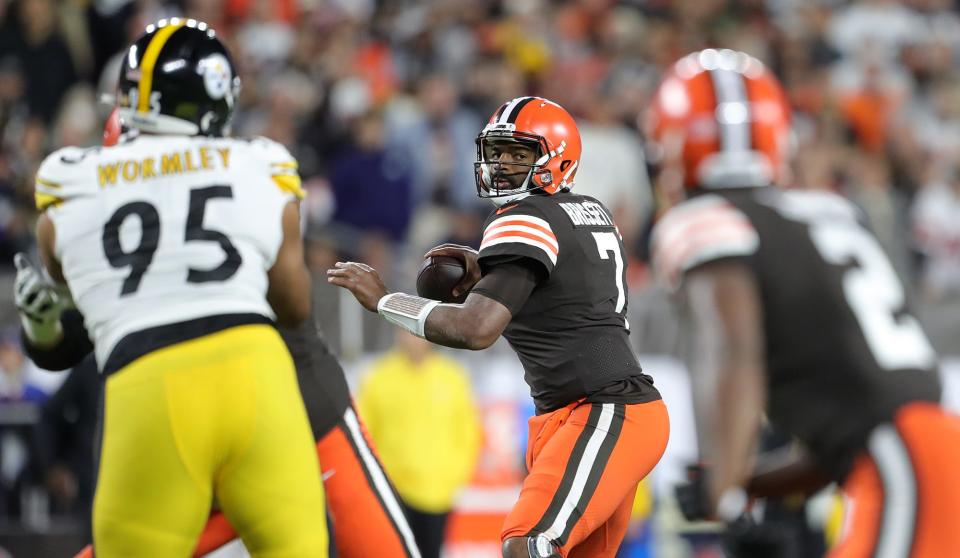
(380, 101)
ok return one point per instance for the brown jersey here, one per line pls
(843, 350)
(571, 335)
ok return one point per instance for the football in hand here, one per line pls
(438, 276)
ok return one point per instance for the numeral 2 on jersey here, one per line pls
(875, 296)
(139, 258)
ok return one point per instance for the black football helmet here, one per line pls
(178, 78)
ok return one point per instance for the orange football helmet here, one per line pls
(541, 125)
(722, 117)
(112, 129)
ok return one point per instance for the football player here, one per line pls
(181, 248)
(550, 277)
(367, 517)
(797, 312)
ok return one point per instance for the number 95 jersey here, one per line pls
(164, 229)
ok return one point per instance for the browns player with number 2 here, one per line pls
(796, 308)
(550, 277)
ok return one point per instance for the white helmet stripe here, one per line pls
(733, 109)
(509, 114)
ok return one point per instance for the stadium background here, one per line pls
(381, 100)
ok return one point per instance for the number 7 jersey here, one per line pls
(843, 350)
(571, 335)
(164, 229)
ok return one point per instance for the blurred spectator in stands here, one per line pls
(881, 26)
(64, 442)
(613, 168)
(869, 97)
(265, 36)
(419, 410)
(19, 400)
(488, 83)
(16, 234)
(46, 62)
(285, 102)
(78, 122)
(869, 186)
(929, 130)
(936, 225)
(444, 150)
(12, 86)
(372, 184)
(15, 384)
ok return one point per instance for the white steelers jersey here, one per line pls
(164, 229)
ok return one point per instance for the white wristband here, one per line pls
(407, 311)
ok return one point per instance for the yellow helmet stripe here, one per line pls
(149, 60)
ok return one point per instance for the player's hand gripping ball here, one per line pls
(438, 276)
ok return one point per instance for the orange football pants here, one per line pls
(903, 494)
(585, 462)
(366, 517)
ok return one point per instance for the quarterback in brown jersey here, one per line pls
(549, 277)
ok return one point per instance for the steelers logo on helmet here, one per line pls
(530, 146)
(178, 78)
(216, 73)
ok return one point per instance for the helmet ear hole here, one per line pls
(565, 165)
(206, 122)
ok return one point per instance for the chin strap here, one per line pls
(407, 311)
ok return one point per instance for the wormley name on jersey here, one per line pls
(176, 162)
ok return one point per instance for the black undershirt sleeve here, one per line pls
(69, 352)
(510, 282)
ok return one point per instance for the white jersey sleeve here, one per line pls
(698, 231)
(60, 177)
(280, 165)
(165, 229)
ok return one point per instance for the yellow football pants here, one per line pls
(220, 417)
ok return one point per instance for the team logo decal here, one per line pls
(216, 75)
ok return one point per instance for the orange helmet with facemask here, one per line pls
(544, 127)
(723, 118)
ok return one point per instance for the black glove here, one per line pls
(692, 496)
